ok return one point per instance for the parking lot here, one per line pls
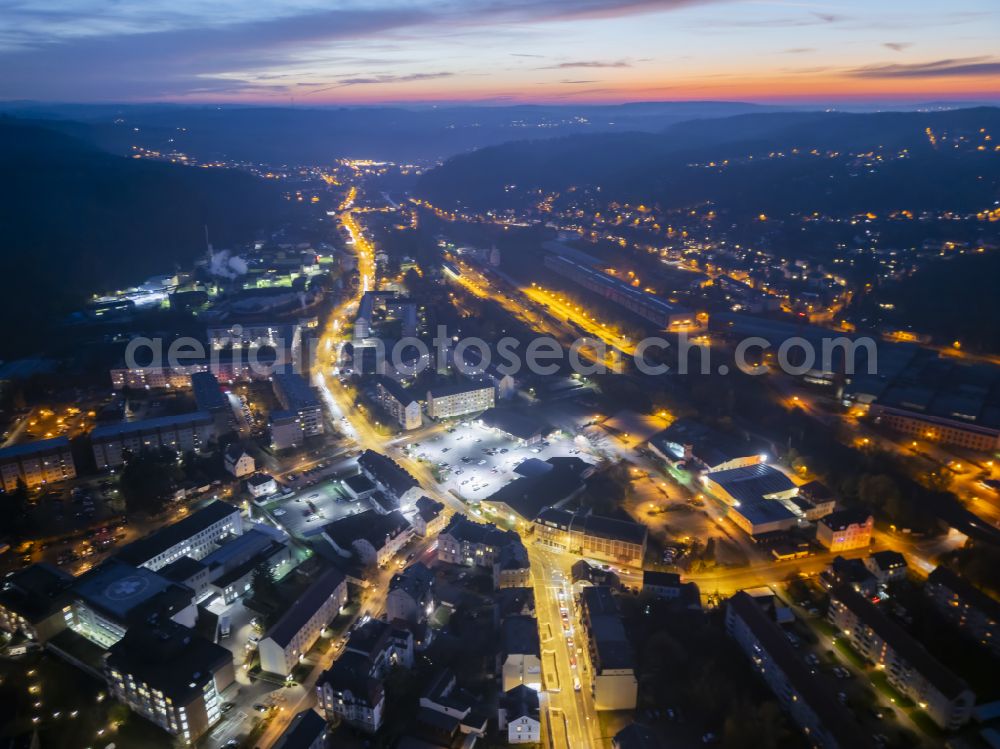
(474, 461)
(304, 512)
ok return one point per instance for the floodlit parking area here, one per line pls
(304, 512)
(474, 461)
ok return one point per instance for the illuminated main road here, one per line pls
(571, 717)
(572, 710)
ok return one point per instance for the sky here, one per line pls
(308, 52)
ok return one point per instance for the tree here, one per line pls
(265, 588)
(148, 480)
(16, 520)
(755, 727)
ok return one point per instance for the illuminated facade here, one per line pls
(37, 463)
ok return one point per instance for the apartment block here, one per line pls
(36, 463)
(813, 708)
(909, 668)
(183, 433)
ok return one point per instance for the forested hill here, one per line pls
(789, 163)
(78, 220)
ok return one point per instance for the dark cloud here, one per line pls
(809, 19)
(388, 78)
(963, 66)
(185, 54)
(588, 64)
(897, 46)
(798, 50)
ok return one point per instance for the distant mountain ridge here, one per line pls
(661, 168)
(318, 135)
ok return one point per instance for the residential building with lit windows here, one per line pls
(227, 365)
(450, 400)
(300, 626)
(519, 716)
(519, 660)
(473, 544)
(975, 613)
(399, 403)
(812, 707)
(171, 676)
(429, 517)
(352, 689)
(300, 416)
(980, 438)
(37, 463)
(411, 595)
(239, 462)
(195, 536)
(887, 566)
(512, 570)
(372, 537)
(191, 432)
(909, 668)
(390, 476)
(845, 530)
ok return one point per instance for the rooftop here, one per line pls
(368, 525)
(141, 551)
(662, 579)
(351, 672)
(842, 519)
(296, 391)
(752, 483)
(36, 591)
(444, 389)
(302, 732)
(387, 472)
(466, 531)
(519, 635)
(113, 431)
(965, 590)
(305, 606)
(34, 448)
(528, 494)
(127, 594)
(706, 444)
(416, 580)
(402, 394)
(515, 423)
(170, 658)
(207, 392)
